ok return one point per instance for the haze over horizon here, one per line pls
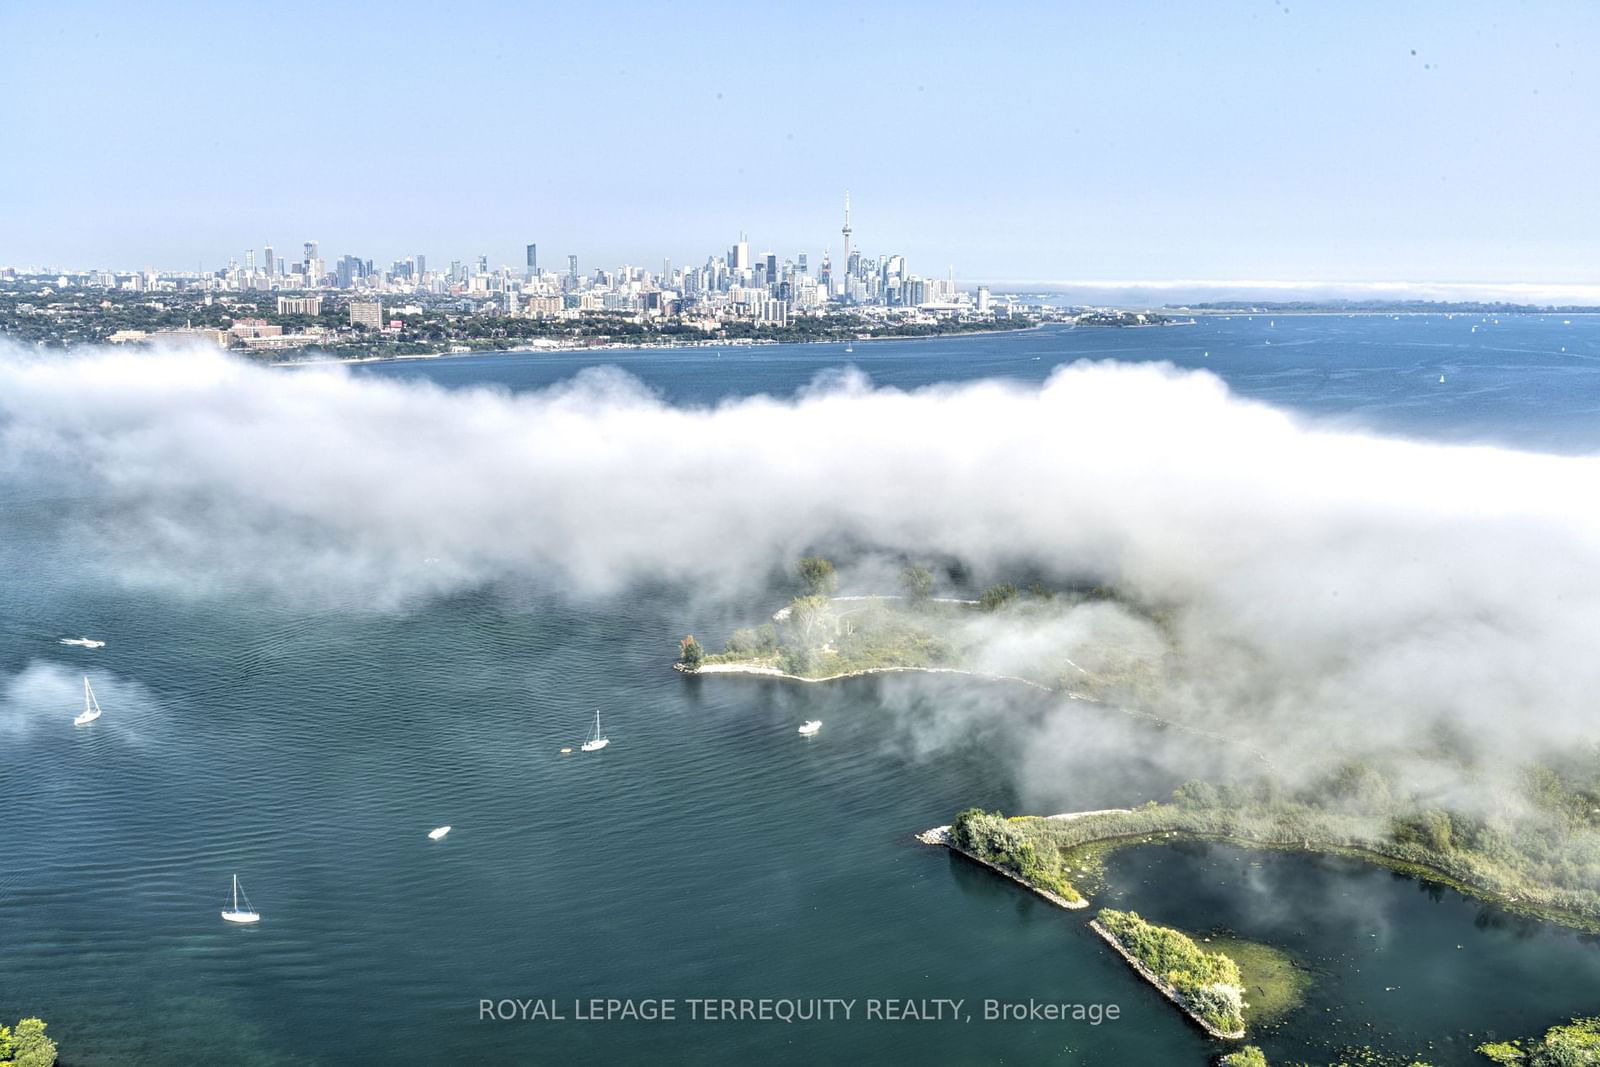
(1252, 140)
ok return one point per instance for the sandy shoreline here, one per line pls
(763, 671)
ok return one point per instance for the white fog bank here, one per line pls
(1373, 584)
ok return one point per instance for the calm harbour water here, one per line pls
(709, 852)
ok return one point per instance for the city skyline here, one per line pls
(1242, 141)
(273, 253)
(769, 285)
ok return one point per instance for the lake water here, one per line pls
(709, 852)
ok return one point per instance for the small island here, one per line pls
(1248, 1056)
(820, 637)
(1207, 986)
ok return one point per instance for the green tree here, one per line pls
(918, 584)
(817, 576)
(30, 1047)
(997, 596)
(690, 652)
(767, 638)
(1249, 1056)
(742, 642)
(811, 619)
(798, 660)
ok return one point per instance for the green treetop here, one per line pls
(27, 1045)
(816, 574)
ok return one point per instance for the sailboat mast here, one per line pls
(236, 892)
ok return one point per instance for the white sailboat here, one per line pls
(434, 835)
(597, 740)
(810, 727)
(83, 642)
(91, 706)
(236, 914)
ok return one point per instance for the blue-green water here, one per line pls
(709, 852)
(1529, 381)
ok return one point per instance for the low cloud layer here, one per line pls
(1322, 582)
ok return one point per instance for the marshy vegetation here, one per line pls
(1538, 853)
(1574, 1044)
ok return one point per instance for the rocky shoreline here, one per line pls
(940, 835)
(1162, 985)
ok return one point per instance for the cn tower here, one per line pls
(846, 231)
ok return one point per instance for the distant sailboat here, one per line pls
(236, 914)
(597, 740)
(1441, 379)
(810, 727)
(91, 706)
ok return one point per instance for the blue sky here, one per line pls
(1140, 141)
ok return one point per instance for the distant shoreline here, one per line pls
(563, 349)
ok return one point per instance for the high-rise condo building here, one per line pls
(300, 305)
(366, 313)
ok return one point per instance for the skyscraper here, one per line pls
(739, 255)
(313, 265)
(533, 261)
(267, 264)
